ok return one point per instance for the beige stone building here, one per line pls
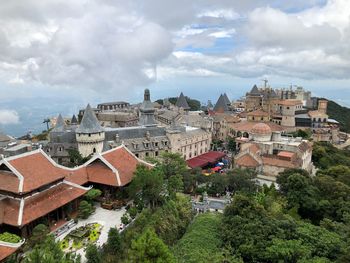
(189, 141)
(269, 153)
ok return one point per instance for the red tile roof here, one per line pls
(98, 172)
(39, 170)
(6, 251)
(36, 170)
(40, 204)
(278, 162)
(285, 154)
(247, 161)
(124, 162)
(205, 159)
(9, 181)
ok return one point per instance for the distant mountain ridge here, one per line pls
(339, 113)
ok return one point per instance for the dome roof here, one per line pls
(261, 128)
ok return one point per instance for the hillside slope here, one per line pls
(339, 113)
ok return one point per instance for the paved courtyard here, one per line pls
(107, 218)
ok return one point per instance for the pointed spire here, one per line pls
(60, 124)
(227, 100)
(182, 102)
(74, 120)
(221, 105)
(255, 91)
(147, 111)
(89, 123)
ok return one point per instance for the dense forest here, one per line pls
(339, 113)
(306, 220)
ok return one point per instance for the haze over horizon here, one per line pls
(57, 56)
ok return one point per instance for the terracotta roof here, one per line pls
(9, 181)
(37, 170)
(246, 126)
(40, 204)
(258, 113)
(125, 163)
(246, 161)
(77, 176)
(261, 128)
(290, 102)
(6, 251)
(278, 162)
(285, 154)
(98, 172)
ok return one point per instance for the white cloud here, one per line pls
(8, 117)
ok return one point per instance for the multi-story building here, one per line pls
(269, 153)
(189, 141)
(112, 106)
(89, 137)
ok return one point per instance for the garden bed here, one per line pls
(81, 237)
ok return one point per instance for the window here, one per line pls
(94, 150)
(156, 144)
(147, 154)
(60, 149)
(156, 153)
(89, 134)
(137, 155)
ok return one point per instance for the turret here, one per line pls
(89, 135)
(147, 111)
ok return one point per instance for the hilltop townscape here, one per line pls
(264, 178)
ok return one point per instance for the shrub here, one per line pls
(125, 219)
(10, 238)
(132, 212)
(85, 209)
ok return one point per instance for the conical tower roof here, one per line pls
(227, 100)
(182, 102)
(60, 124)
(221, 105)
(74, 120)
(255, 91)
(89, 122)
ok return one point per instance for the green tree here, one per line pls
(48, 251)
(288, 251)
(147, 185)
(149, 248)
(92, 195)
(93, 254)
(114, 242)
(39, 234)
(231, 144)
(85, 209)
(242, 180)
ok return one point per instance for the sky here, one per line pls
(57, 55)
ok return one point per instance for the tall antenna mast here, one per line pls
(265, 83)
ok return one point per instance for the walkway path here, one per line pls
(107, 218)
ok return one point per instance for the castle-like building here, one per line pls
(147, 139)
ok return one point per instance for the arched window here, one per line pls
(94, 150)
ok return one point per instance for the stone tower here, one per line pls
(89, 135)
(322, 106)
(147, 111)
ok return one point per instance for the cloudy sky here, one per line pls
(58, 55)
